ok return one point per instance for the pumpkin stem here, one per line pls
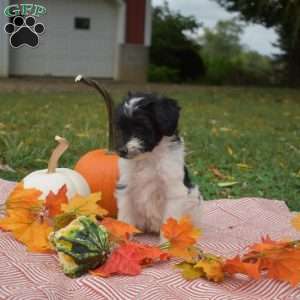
(62, 146)
(109, 107)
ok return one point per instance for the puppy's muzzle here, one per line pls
(128, 154)
(123, 152)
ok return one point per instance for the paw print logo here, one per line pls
(24, 31)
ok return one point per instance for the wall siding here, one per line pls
(65, 51)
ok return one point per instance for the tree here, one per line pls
(172, 46)
(284, 16)
(227, 60)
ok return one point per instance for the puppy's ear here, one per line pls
(166, 113)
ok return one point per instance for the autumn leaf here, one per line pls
(182, 237)
(212, 268)
(28, 228)
(283, 265)
(236, 265)
(62, 220)
(244, 166)
(296, 222)
(181, 233)
(217, 173)
(119, 231)
(267, 244)
(53, 201)
(279, 260)
(230, 151)
(227, 184)
(85, 206)
(188, 271)
(21, 198)
(129, 258)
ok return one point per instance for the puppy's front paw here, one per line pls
(126, 218)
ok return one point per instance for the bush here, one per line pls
(227, 61)
(162, 74)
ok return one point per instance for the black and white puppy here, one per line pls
(154, 183)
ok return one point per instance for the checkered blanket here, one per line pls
(228, 226)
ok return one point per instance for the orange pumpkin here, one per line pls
(100, 167)
(100, 170)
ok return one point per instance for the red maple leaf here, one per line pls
(54, 201)
(129, 258)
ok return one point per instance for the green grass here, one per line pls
(223, 127)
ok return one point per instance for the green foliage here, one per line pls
(228, 61)
(162, 74)
(172, 47)
(250, 134)
(284, 16)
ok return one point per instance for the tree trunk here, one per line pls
(293, 64)
(289, 42)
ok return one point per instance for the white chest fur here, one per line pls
(149, 182)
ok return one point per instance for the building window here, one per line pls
(82, 23)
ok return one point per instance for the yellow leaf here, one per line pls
(188, 271)
(296, 222)
(85, 206)
(36, 237)
(244, 166)
(212, 267)
(230, 151)
(227, 184)
(28, 229)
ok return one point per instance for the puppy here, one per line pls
(154, 183)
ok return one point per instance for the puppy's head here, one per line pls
(142, 120)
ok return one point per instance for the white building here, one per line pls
(99, 38)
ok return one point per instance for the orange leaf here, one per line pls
(118, 230)
(296, 222)
(182, 236)
(267, 244)
(235, 265)
(217, 173)
(28, 229)
(128, 259)
(21, 198)
(283, 264)
(53, 201)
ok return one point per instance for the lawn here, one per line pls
(249, 136)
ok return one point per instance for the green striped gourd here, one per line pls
(82, 245)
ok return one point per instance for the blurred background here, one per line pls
(226, 42)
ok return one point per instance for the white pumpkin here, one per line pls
(46, 182)
(52, 179)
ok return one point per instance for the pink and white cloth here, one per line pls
(228, 226)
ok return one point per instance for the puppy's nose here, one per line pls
(123, 151)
